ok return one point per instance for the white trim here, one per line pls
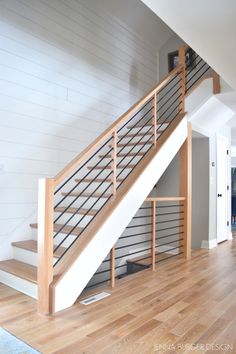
(209, 244)
(230, 236)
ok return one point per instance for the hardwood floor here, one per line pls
(182, 303)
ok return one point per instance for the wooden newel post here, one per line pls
(114, 163)
(153, 235)
(112, 266)
(154, 120)
(182, 60)
(216, 83)
(186, 190)
(45, 243)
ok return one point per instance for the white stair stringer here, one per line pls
(72, 282)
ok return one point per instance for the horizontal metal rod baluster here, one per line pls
(144, 154)
(168, 83)
(122, 274)
(84, 164)
(76, 223)
(169, 228)
(190, 78)
(77, 235)
(170, 249)
(161, 124)
(166, 93)
(102, 271)
(136, 252)
(163, 113)
(132, 244)
(172, 213)
(162, 222)
(169, 206)
(144, 144)
(133, 226)
(194, 67)
(170, 235)
(191, 55)
(188, 88)
(142, 216)
(168, 243)
(82, 179)
(134, 235)
(123, 126)
(169, 98)
(173, 255)
(128, 132)
(96, 284)
(76, 198)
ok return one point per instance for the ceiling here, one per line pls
(208, 26)
(139, 18)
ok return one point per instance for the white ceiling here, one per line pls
(140, 18)
(208, 26)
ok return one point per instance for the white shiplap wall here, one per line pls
(67, 70)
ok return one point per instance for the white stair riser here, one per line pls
(26, 256)
(22, 285)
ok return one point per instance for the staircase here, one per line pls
(86, 207)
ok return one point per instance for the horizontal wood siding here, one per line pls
(67, 71)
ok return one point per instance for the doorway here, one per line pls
(222, 189)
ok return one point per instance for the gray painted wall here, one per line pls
(200, 206)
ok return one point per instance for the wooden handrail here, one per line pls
(164, 199)
(86, 153)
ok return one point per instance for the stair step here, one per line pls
(109, 167)
(72, 210)
(66, 229)
(32, 245)
(96, 180)
(148, 125)
(86, 195)
(135, 135)
(20, 269)
(133, 144)
(140, 125)
(131, 154)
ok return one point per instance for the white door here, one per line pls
(222, 180)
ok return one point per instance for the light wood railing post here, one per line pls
(112, 266)
(182, 59)
(45, 243)
(216, 83)
(114, 163)
(186, 190)
(153, 235)
(154, 120)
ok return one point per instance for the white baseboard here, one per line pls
(230, 236)
(209, 244)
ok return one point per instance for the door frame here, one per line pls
(228, 190)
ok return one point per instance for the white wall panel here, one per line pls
(67, 71)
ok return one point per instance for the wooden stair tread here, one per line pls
(133, 144)
(32, 245)
(20, 269)
(135, 135)
(97, 180)
(86, 195)
(73, 210)
(110, 167)
(123, 155)
(66, 229)
(148, 125)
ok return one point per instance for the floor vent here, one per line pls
(94, 298)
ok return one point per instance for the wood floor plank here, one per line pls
(182, 302)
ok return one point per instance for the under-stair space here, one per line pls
(83, 212)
